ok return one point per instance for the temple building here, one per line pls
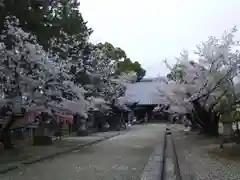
(147, 94)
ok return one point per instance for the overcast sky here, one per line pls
(150, 31)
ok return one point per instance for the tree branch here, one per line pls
(206, 95)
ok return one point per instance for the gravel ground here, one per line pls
(196, 164)
(119, 158)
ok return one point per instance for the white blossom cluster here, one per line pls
(40, 79)
(209, 79)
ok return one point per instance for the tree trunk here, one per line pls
(5, 133)
(196, 124)
(211, 128)
(82, 126)
(41, 138)
(208, 121)
(6, 140)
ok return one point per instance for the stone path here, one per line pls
(121, 158)
(28, 154)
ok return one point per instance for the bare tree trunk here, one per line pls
(6, 140)
(40, 138)
(208, 121)
(5, 133)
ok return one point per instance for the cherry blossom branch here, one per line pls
(215, 87)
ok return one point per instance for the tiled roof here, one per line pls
(144, 92)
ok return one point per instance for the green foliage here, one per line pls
(235, 113)
(46, 19)
(54, 20)
(127, 65)
(124, 63)
(176, 73)
(112, 52)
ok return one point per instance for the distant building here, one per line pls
(146, 94)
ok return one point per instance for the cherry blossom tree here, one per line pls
(90, 68)
(24, 68)
(207, 84)
(28, 72)
(106, 85)
(63, 73)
